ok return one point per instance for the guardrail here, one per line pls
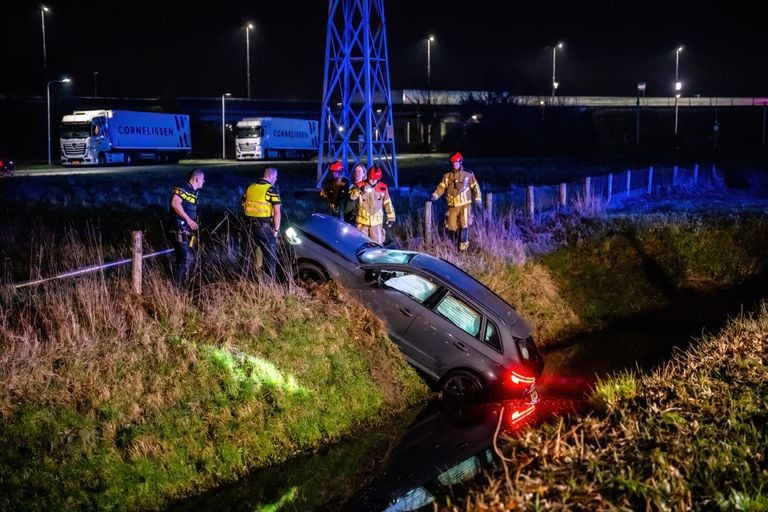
(136, 260)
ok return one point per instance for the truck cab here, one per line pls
(83, 138)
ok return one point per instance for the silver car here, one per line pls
(463, 337)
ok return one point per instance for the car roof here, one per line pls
(467, 285)
(351, 244)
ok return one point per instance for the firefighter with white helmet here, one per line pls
(460, 187)
(374, 205)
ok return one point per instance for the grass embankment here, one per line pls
(691, 435)
(663, 268)
(112, 401)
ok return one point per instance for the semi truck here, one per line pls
(98, 137)
(257, 138)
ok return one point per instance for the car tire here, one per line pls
(308, 273)
(461, 387)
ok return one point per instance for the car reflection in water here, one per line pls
(457, 332)
(443, 448)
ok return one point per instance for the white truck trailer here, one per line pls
(97, 137)
(275, 137)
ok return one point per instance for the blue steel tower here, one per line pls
(356, 118)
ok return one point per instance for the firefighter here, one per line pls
(261, 207)
(374, 204)
(183, 221)
(335, 189)
(350, 210)
(459, 186)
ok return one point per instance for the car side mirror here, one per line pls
(372, 276)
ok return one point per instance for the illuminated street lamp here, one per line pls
(48, 103)
(554, 64)
(223, 126)
(248, 29)
(43, 10)
(678, 84)
(430, 40)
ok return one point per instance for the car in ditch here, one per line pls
(463, 337)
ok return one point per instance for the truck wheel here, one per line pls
(127, 159)
(102, 159)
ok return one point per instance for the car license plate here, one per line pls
(75, 162)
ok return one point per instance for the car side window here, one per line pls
(416, 287)
(459, 313)
(491, 336)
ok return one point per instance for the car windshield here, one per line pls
(381, 255)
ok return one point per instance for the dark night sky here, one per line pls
(143, 49)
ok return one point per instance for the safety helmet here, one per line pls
(336, 166)
(456, 157)
(374, 173)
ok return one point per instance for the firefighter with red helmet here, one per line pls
(335, 188)
(460, 187)
(374, 205)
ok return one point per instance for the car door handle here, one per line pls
(406, 312)
(459, 345)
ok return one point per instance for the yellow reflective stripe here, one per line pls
(184, 195)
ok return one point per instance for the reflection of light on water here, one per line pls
(519, 415)
(412, 500)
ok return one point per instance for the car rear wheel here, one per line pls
(462, 387)
(310, 274)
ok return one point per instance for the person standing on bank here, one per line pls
(459, 185)
(184, 228)
(350, 209)
(335, 189)
(261, 206)
(375, 202)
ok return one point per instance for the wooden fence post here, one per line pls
(695, 174)
(136, 261)
(588, 191)
(428, 224)
(488, 211)
(610, 188)
(530, 204)
(563, 199)
(629, 181)
(650, 179)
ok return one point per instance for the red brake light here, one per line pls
(520, 380)
(519, 415)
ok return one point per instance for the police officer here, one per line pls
(183, 216)
(261, 206)
(335, 188)
(374, 203)
(459, 185)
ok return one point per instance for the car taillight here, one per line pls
(2, 164)
(521, 380)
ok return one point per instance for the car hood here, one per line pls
(340, 236)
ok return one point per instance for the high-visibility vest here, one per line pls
(258, 201)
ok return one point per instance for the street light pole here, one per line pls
(640, 88)
(48, 103)
(554, 64)
(677, 82)
(95, 84)
(248, 28)
(223, 127)
(430, 40)
(44, 10)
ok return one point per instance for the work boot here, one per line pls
(463, 246)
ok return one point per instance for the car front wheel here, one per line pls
(310, 274)
(462, 386)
